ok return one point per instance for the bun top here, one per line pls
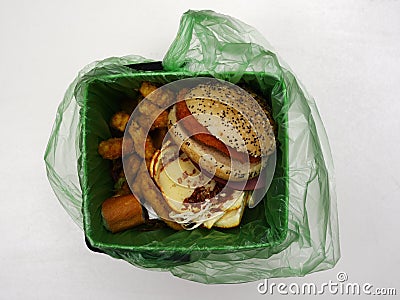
(233, 116)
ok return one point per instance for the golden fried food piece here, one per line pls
(160, 121)
(131, 166)
(149, 193)
(111, 148)
(119, 120)
(147, 88)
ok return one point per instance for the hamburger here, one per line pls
(222, 129)
(218, 143)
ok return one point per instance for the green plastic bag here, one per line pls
(293, 232)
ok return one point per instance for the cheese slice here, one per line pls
(232, 217)
(178, 179)
(230, 213)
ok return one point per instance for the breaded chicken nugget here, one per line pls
(111, 148)
(119, 120)
(147, 88)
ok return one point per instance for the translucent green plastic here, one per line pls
(292, 232)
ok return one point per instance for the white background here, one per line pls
(346, 53)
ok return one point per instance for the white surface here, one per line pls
(345, 52)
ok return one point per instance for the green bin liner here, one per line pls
(292, 232)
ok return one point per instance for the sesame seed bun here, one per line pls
(238, 112)
(224, 130)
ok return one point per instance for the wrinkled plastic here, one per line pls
(294, 231)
